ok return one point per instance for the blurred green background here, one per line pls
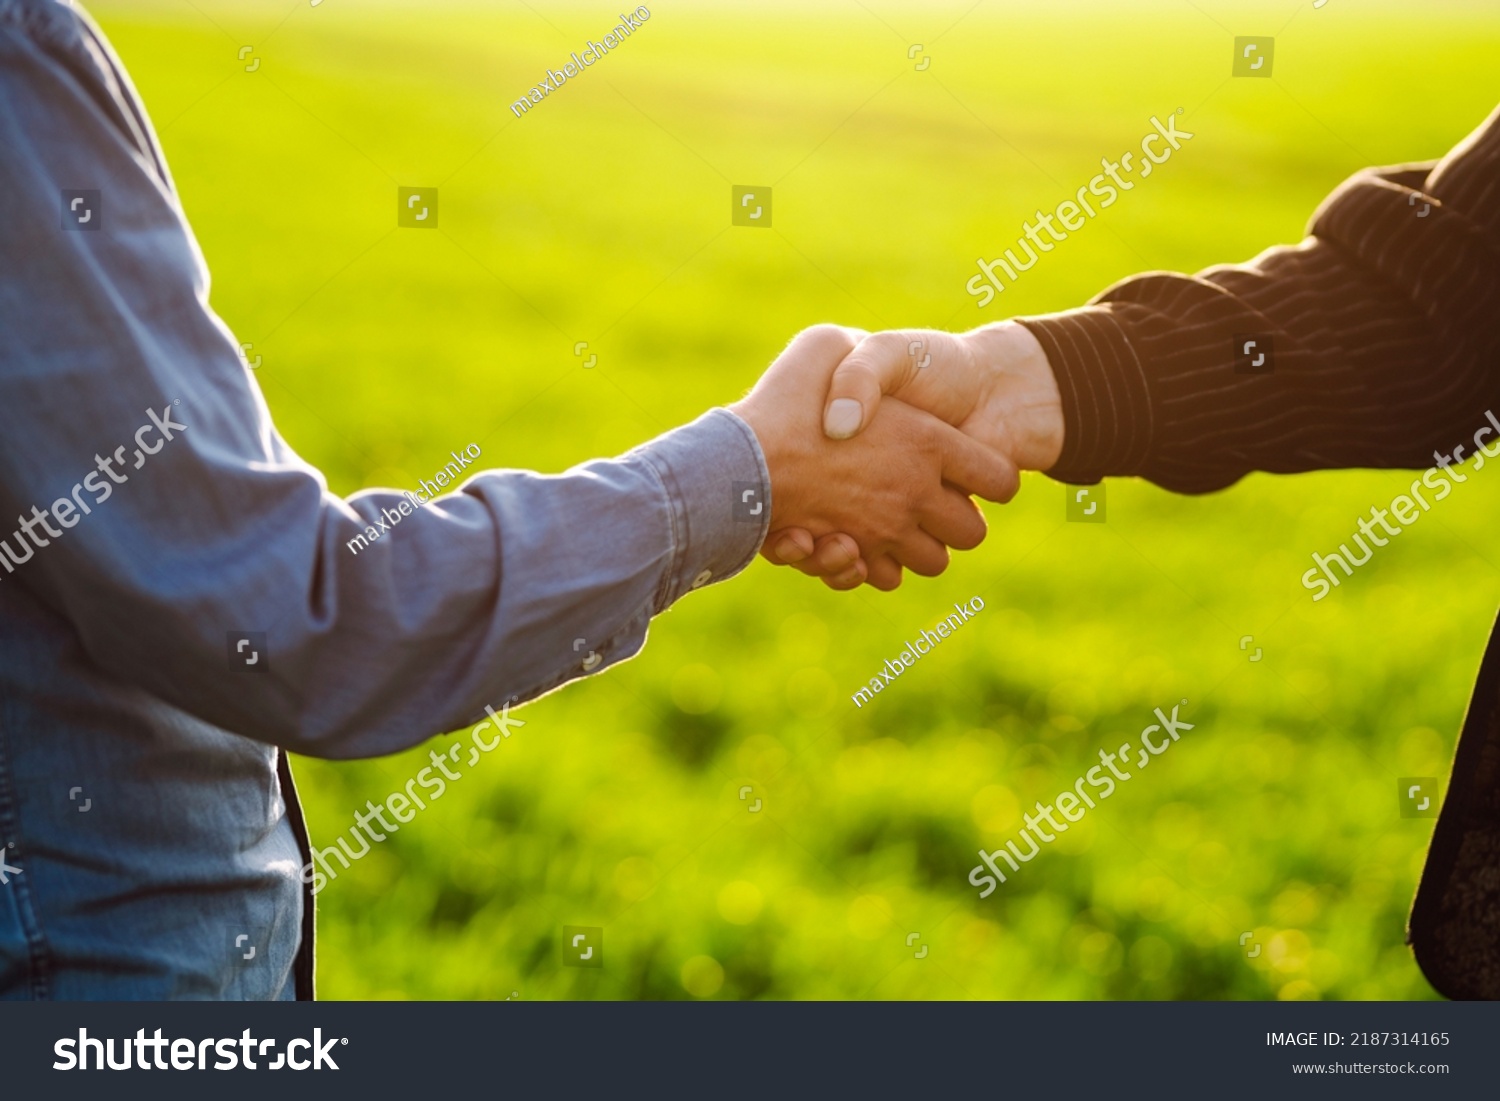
(603, 215)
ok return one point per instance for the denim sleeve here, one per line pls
(161, 517)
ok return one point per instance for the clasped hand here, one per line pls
(863, 487)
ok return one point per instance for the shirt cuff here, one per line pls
(719, 495)
(1106, 401)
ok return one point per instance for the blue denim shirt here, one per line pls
(178, 604)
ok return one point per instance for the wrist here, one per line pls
(773, 448)
(1020, 396)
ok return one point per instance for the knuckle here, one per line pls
(826, 337)
(886, 345)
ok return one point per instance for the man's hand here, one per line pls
(899, 491)
(993, 383)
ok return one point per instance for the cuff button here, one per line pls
(703, 579)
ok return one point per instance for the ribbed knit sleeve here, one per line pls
(1380, 331)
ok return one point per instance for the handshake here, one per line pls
(880, 485)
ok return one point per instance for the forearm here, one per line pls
(499, 592)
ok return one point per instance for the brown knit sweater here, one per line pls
(1384, 324)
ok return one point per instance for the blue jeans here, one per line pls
(148, 854)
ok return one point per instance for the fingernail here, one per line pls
(785, 548)
(843, 418)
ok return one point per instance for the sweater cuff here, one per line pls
(1106, 402)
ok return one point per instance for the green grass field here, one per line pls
(602, 216)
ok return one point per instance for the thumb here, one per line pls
(878, 365)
